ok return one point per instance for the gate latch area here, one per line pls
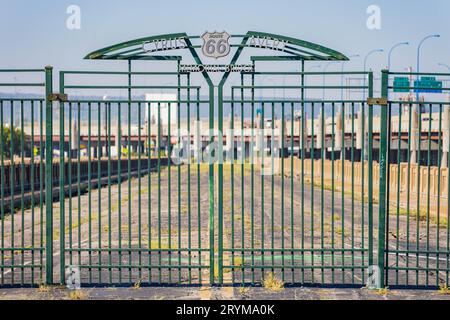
(61, 97)
(377, 101)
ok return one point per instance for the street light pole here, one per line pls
(365, 67)
(323, 78)
(444, 161)
(342, 77)
(390, 109)
(418, 58)
(390, 54)
(312, 67)
(309, 70)
(105, 97)
(366, 153)
(392, 49)
(441, 64)
(263, 79)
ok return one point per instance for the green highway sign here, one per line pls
(401, 84)
(428, 84)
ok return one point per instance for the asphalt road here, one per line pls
(303, 235)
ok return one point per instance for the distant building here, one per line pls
(164, 107)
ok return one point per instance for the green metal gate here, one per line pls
(320, 184)
(24, 176)
(415, 246)
(294, 216)
(148, 220)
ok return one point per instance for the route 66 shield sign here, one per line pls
(215, 44)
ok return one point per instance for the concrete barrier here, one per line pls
(421, 184)
(27, 182)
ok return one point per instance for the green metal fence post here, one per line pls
(211, 186)
(61, 183)
(220, 185)
(382, 181)
(370, 171)
(48, 175)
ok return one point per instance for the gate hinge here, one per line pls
(377, 101)
(61, 97)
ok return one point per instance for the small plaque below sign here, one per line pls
(188, 68)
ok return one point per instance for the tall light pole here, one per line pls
(390, 54)
(390, 109)
(99, 141)
(309, 70)
(325, 67)
(323, 77)
(418, 58)
(392, 49)
(263, 79)
(366, 153)
(365, 67)
(441, 64)
(312, 67)
(342, 76)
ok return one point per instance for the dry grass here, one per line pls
(422, 216)
(154, 244)
(137, 284)
(443, 289)
(273, 284)
(43, 288)
(243, 290)
(77, 295)
(383, 292)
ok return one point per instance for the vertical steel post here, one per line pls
(61, 183)
(370, 169)
(48, 175)
(220, 184)
(382, 180)
(211, 185)
(302, 142)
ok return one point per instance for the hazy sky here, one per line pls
(34, 33)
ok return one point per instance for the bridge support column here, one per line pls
(75, 143)
(197, 141)
(117, 141)
(229, 148)
(414, 135)
(338, 135)
(446, 137)
(282, 137)
(319, 131)
(360, 135)
(48, 176)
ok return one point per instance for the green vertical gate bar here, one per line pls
(211, 165)
(48, 175)
(382, 180)
(211, 185)
(178, 174)
(220, 183)
(129, 166)
(370, 173)
(2, 195)
(61, 184)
